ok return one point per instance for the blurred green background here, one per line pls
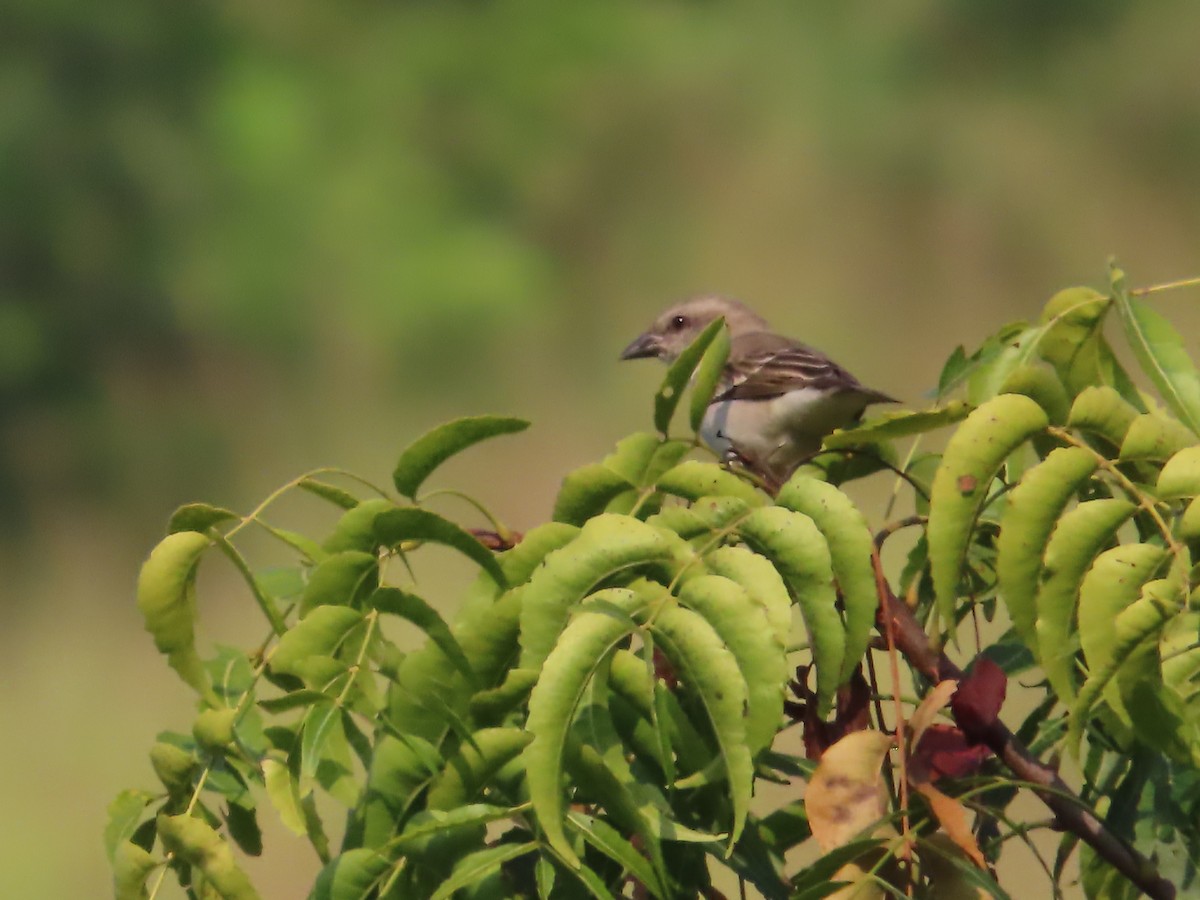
(239, 241)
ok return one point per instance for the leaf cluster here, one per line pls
(595, 720)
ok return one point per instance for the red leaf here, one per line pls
(945, 752)
(980, 694)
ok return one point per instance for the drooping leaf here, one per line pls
(609, 841)
(1111, 585)
(591, 635)
(434, 447)
(607, 544)
(351, 875)
(1041, 385)
(586, 492)
(975, 453)
(761, 657)
(1156, 437)
(468, 770)
(692, 480)
(319, 633)
(798, 550)
(891, 426)
(411, 524)
(396, 602)
(850, 545)
(678, 375)
(1160, 352)
(355, 530)
(198, 517)
(329, 492)
(1180, 476)
(711, 670)
(166, 598)
(1080, 534)
(131, 865)
(478, 865)
(761, 581)
(1102, 411)
(124, 815)
(846, 795)
(192, 840)
(1134, 626)
(343, 579)
(1034, 506)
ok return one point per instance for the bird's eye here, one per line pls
(678, 322)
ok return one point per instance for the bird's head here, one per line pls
(677, 327)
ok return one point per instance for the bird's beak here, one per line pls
(643, 346)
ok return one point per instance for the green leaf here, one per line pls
(743, 628)
(433, 448)
(700, 519)
(1072, 339)
(478, 865)
(193, 841)
(242, 824)
(1043, 387)
(586, 492)
(490, 707)
(469, 769)
(213, 729)
(1180, 477)
(692, 480)
(343, 579)
(609, 841)
(1155, 437)
(411, 524)
(351, 875)
(678, 375)
(284, 795)
(1160, 352)
(606, 545)
(711, 670)
(1080, 535)
(1102, 411)
(893, 425)
(973, 456)
(707, 377)
(166, 597)
(850, 547)
(587, 640)
(1033, 508)
(411, 607)
(329, 492)
(124, 815)
(796, 546)
(319, 633)
(1112, 585)
(1136, 625)
(199, 517)
(318, 729)
(355, 530)
(761, 581)
(131, 864)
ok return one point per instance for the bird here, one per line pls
(776, 400)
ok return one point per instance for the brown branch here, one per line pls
(1072, 814)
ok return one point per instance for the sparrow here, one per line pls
(777, 398)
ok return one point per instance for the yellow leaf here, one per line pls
(953, 817)
(935, 701)
(846, 793)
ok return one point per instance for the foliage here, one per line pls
(615, 681)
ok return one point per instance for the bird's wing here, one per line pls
(764, 365)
